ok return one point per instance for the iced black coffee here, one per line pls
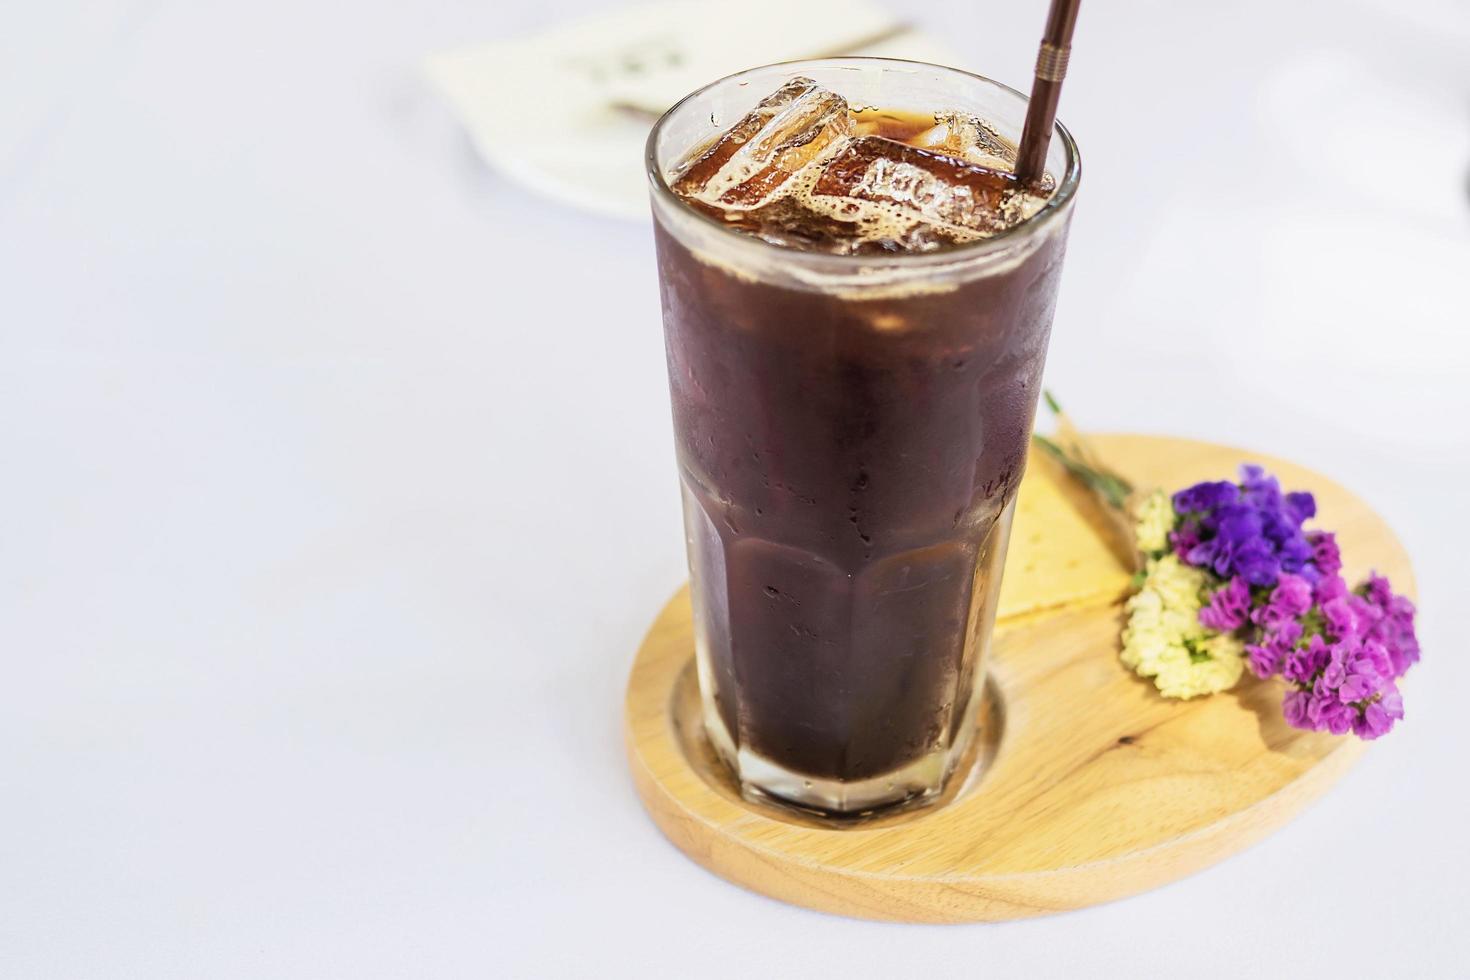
(857, 299)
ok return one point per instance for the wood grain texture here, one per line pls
(1091, 786)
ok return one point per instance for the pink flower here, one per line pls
(1269, 655)
(1291, 597)
(1329, 587)
(1338, 614)
(1229, 607)
(1294, 705)
(1378, 717)
(1304, 664)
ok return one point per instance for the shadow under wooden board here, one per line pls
(1089, 787)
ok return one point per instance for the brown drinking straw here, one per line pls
(1051, 68)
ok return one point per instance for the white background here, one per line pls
(337, 490)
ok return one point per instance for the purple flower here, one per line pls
(1294, 705)
(1327, 713)
(1378, 716)
(1346, 687)
(1290, 599)
(1365, 614)
(1329, 587)
(1261, 489)
(1339, 718)
(1325, 554)
(1236, 523)
(1251, 530)
(1229, 607)
(1281, 588)
(1396, 632)
(1259, 486)
(1205, 497)
(1255, 561)
(1295, 554)
(1268, 656)
(1300, 506)
(1294, 551)
(1283, 529)
(1357, 687)
(1339, 617)
(1304, 664)
(1184, 539)
(1237, 543)
(1262, 659)
(1376, 590)
(1336, 669)
(1374, 657)
(1387, 619)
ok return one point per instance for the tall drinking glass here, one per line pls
(851, 431)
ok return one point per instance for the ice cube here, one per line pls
(786, 131)
(937, 190)
(969, 138)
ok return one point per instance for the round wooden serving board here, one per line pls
(1090, 786)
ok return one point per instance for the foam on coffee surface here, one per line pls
(803, 170)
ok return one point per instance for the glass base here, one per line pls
(915, 784)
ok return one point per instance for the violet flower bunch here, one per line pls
(1279, 589)
(1229, 579)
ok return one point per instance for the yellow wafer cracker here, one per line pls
(1058, 556)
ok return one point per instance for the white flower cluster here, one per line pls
(1164, 639)
(1155, 520)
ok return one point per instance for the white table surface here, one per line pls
(338, 490)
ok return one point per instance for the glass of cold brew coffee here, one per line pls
(857, 298)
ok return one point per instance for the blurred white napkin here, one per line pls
(566, 112)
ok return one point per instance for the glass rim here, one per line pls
(1054, 206)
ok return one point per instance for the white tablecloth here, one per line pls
(338, 490)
